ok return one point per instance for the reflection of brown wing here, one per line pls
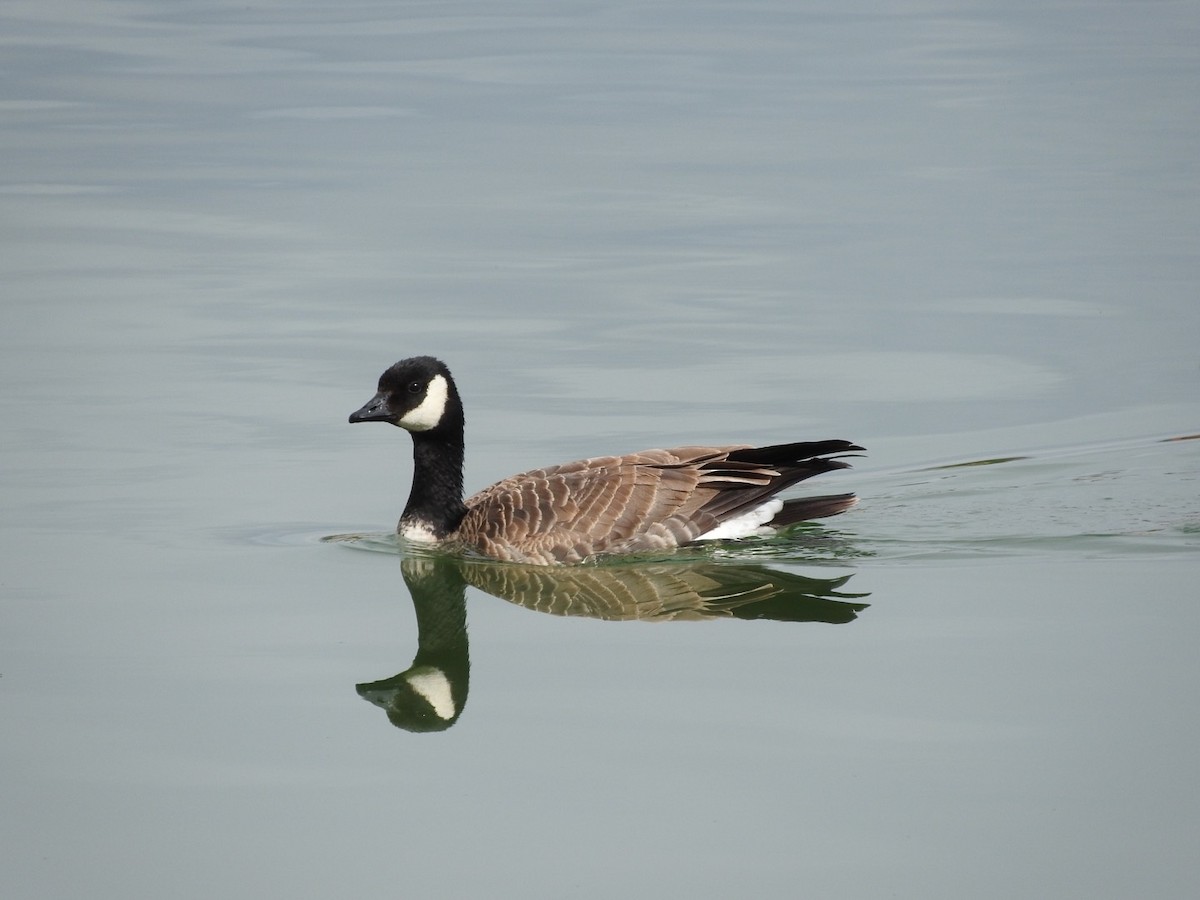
(649, 501)
(661, 591)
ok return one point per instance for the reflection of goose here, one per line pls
(430, 694)
(649, 501)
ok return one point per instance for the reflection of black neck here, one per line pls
(436, 497)
(439, 600)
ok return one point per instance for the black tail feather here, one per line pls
(791, 463)
(805, 509)
(791, 454)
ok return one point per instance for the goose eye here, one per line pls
(415, 387)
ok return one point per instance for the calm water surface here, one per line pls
(962, 235)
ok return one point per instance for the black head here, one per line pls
(416, 394)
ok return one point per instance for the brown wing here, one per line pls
(643, 502)
(609, 504)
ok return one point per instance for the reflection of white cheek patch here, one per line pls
(433, 685)
(429, 413)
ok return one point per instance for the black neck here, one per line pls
(436, 499)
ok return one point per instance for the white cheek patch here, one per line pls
(433, 685)
(432, 408)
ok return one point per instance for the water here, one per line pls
(961, 235)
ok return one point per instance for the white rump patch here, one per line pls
(430, 412)
(433, 685)
(746, 524)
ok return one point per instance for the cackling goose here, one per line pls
(653, 500)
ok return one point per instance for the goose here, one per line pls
(652, 501)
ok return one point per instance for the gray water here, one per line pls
(961, 234)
